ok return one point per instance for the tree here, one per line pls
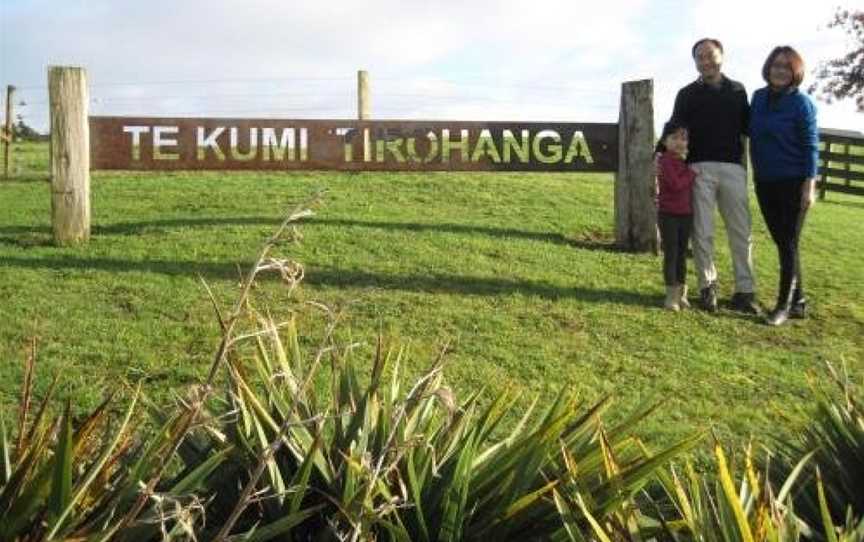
(843, 77)
(22, 132)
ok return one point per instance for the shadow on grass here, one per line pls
(26, 236)
(71, 264)
(27, 241)
(472, 286)
(27, 178)
(592, 241)
(342, 278)
(17, 230)
(152, 226)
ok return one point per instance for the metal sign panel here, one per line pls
(350, 145)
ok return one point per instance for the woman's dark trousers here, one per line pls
(780, 202)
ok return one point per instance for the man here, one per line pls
(715, 110)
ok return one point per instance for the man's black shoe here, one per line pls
(708, 298)
(744, 302)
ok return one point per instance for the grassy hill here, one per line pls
(516, 271)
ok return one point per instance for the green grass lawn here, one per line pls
(517, 270)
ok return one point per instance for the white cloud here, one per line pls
(749, 31)
(556, 60)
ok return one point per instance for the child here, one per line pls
(674, 212)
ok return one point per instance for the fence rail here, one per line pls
(841, 157)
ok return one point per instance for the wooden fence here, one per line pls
(841, 157)
(625, 149)
(80, 143)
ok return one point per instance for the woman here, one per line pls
(784, 152)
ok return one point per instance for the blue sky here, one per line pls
(501, 60)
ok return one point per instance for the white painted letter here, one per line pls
(555, 155)
(345, 134)
(210, 142)
(159, 142)
(253, 145)
(277, 147)
(431, 148)
(136, 132)
(367, 145)
(510, 143)
(304, 144)
(485, 147)
(447, 144)
(578, 147)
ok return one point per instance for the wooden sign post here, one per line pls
(364, 105)
(635, 211)
(69, 155)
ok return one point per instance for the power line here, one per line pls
(427, 96)
(492, 84)
(200, 81)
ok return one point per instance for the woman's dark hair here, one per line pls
(796, 64)
(715, 42)
(669, 128)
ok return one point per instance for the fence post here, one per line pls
(635, 211)
(364, 109)
(69, 154)
(823, 177)
(847, 150)
(7, 132)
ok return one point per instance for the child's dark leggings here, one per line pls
(674, 235)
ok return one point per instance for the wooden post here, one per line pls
(847, 150)
(364, 109)
(69, 154)
(823, 178)
(635, 186)
(7, 131)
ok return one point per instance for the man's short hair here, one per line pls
(715, 42)
(796, 64)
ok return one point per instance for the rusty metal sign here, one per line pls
(350, 145)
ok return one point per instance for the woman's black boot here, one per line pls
(780, 314)
(798, 308)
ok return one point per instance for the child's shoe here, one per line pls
(673, 294)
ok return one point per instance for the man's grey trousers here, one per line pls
(723, 185)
